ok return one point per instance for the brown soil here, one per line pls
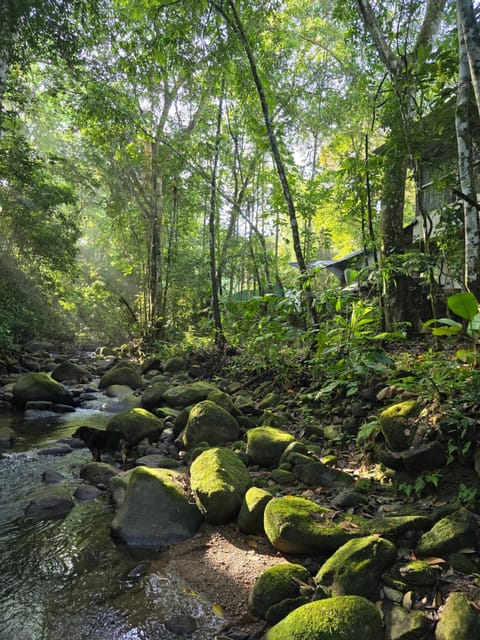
(222, 564)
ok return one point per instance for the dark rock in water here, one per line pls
(40, 386)
(137, 572)
(38, 405)
(5, 406)
(57, 450)
(86, 492)
(52, 477)
(97, 473)
(181, 625)
(52, 502)
(7, 437)
(63, 408)
(70, 372)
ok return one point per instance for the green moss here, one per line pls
(265, 445)
(274, 585)
(135, 422)
(339, 618)
(458, 620)
(455, 531)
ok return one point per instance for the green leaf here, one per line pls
(468, 356)
(464, 304)
(473, 328)
(446, 331)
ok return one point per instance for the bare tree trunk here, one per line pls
(465, 170)
(236, 24)
(5, 44)
(469, 29)
(220, 340)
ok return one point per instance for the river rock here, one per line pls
(454, 532)
(86, 492)
(210, 423)
(52, 502)
(225, 401)
(98, 473)
(185, 395)
(250, 517)
(7, 437)
(136, 424)
(123, 375)
(318, 474)
(265, 445)
(174, 364)
(40, 386)
(397, 425)
(59, 449)
(402, 624)
(219, 481)
(155, 510)
(276, 584)
(356, 567)
(458, 621)
(70, 372)
(338, 618)
(152, 396)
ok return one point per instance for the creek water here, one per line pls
(66, 578)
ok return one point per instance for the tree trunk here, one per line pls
(220, 340)
(237, 26)
(465, 170)
(155, 223)
(5, 45)
(469, 29)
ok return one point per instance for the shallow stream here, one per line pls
(66, 578)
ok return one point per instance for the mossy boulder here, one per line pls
(276, 584)
(458, 621)
(208, 422)
(339, 618)
(397, 425)
(317, 473)
(356, 567)
(52, 502)
(135, 423)
(71, 372)
(225, 401)
(219, 480)
(98, 473)
(174, 364)
(154, 511)
(152, 396)
(250, 518)
(298, 525)
(452, 533)
(184, 395)
(40, 386)
(265, 445)
(124, 375)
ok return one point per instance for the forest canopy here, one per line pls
(190, 168)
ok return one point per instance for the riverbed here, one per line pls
(66, 578)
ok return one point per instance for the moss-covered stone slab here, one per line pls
(339, 618)
(250, 517)
(298, 525)
(136, 424)
(124, 375)
(184, 395)
(319, 474)
(397, 425)
(276, 584)
(208, 422)
(458, 621)
(154, 511)
(68, 371)
(356, 567)
(265, 445)
(455, 532)
(416, 573)
(219, 480)
(40, 386)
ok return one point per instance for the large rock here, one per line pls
(123, 374)
(98, 473)
(219, 481)
(154, 509)
(152, 396)
(185, 395)
(402, 624)
(458, 621)
(265, 445)
(356, 567)
(397, 425)
(210, 423)
(68, 371)
(298, 525)
(135, 424)
(52, 502)
(319, 474)
(40, 386)
(339, 618)
(250, 518)
(276, 584)
(452, 533)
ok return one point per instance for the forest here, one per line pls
(265, 211)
